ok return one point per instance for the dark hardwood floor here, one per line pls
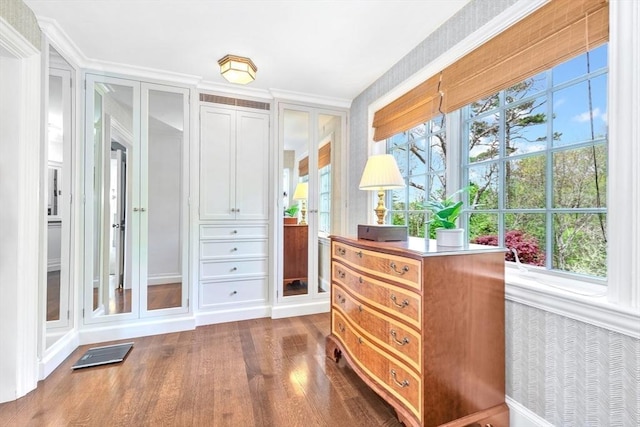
(259, 372)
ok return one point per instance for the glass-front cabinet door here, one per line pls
(309, 137)
(135, 199)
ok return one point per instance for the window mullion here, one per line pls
(549, 175)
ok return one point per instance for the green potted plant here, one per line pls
(291, 214)
(444, 216)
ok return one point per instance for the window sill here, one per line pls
(577, 300)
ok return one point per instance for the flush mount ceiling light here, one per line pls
(237, 69)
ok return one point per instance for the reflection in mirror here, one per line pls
(296, 134)
(112, 146)
(329, 128)
(55, 190)
(57, 185)
(165, 148)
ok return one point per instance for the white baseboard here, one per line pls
(232, 315)
(57, 353)
(520, 416)
(143, 328)
(163, 280)
(290, 310)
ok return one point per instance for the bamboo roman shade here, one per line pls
(552, 34)
(324, 158)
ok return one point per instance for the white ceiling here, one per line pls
(327, 48)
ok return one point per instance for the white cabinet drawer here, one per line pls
(225, 249)
(233, 268)
(235, 231)
(233, 292)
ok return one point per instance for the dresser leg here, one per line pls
(331, 350)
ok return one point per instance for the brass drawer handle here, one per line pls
(403, 384)
(360, 340)
(360, 279)
(404, 341)
(341, 251)
(405, 269)
(341, 274)
(359, 253)
(404, 304)
(341, 299)
(360, 308)
(341, 327)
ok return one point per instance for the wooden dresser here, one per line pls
(423, 328)
(296, 253)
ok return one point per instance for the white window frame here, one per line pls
(619, 309)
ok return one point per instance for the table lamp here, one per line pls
(381, 173)
(301, 193)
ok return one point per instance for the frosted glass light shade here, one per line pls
(237, 69)
(381, 173)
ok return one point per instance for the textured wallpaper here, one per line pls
(567, 372)
(571, 373)
(20, 17)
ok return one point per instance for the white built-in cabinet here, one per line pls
(234, 155)
(234, 164)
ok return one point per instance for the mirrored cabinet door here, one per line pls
(330, 134)
(309, 140)
(296, 131)
(112, 147)
(57, 201)
(165, 128)
(135, 209)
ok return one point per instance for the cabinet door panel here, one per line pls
(217, 163)
(252, 163)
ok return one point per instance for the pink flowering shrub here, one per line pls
(527, 247)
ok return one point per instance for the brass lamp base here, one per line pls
(303, 214)
(380, 210)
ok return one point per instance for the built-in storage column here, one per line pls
(234, 210)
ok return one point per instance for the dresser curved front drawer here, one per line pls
(391, 267)
(390, 374)
(401, 340)
(398, 301)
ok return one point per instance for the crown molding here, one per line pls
(67, 48)
(14, 42)
(62, 43)
(143, 73)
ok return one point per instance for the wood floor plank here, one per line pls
(260, 373)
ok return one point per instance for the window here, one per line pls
(535, 155)
(324, 200)
(421, 156)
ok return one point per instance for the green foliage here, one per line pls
(291, 211)
(445, 212)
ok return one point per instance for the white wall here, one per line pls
(165, 183)
(20, 225)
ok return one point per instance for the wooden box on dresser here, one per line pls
(423, 328)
